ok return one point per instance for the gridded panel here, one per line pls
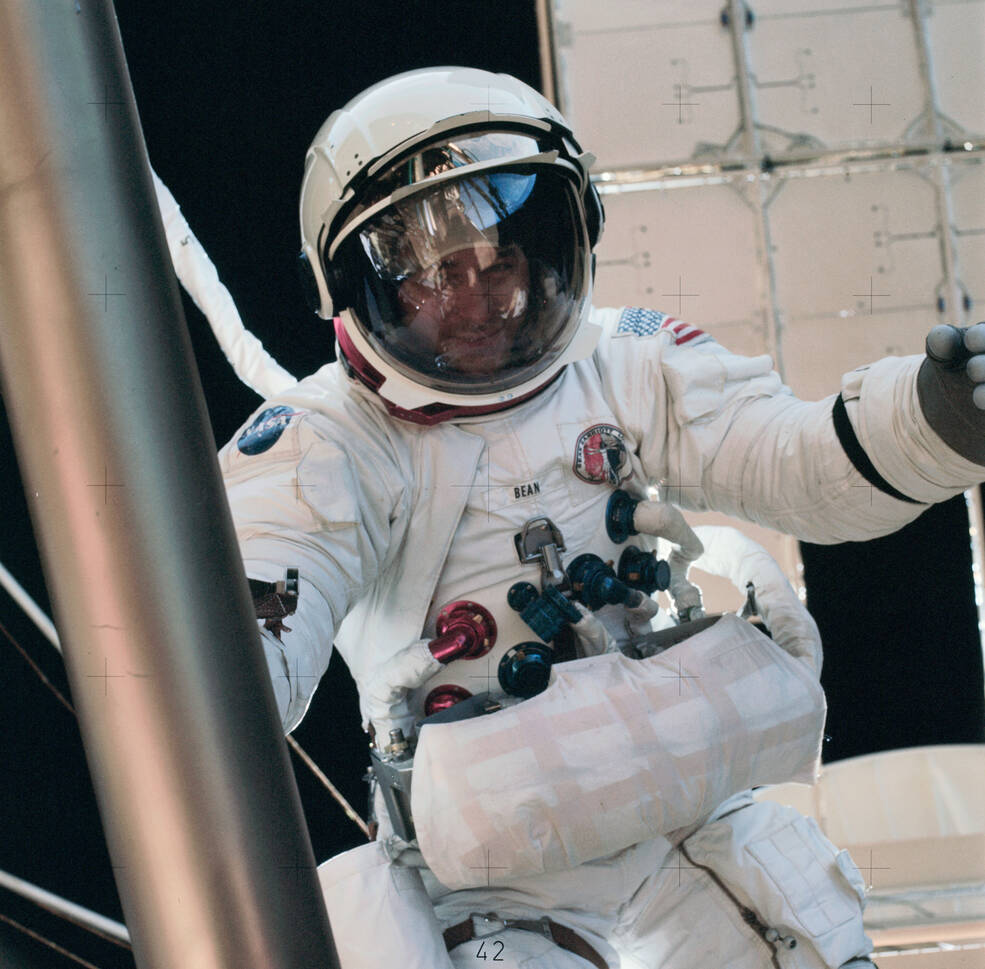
(836, 76)
(968, 197)
(856, 244)
(648, 81)
(956, 31)
(858, 271)
(796, 8)
(817, 352)
(707, 271)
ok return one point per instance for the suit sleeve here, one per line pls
(321, 506)
(721, 431)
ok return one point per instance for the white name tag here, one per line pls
(521, 491)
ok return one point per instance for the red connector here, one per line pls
(465, 630)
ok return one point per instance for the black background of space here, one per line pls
(229, 97)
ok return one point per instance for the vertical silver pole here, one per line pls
(547, 52)
(202, 816)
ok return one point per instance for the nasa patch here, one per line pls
(601, 455)
(266, 430)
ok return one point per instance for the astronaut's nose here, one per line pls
(468, 304)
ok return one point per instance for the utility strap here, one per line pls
(560, 935)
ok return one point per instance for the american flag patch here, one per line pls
(644, 322)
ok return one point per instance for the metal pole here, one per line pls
(203, 820)
(20, 595)
(93, 921)
(546, 45)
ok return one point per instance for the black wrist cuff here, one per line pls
(856, 454)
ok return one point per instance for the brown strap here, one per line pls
(275, 605)
(568, 939)
(459, 934)
(560, 935)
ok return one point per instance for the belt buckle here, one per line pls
(488, 917)
(527, 925)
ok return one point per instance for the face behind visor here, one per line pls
(474, 284)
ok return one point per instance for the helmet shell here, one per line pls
(389, 119)
(397, 113)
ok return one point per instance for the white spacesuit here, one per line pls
(446, 493)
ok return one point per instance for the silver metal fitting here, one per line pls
(398, 743)
(540, 540)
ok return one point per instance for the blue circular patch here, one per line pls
(266, 430)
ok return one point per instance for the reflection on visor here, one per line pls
(490, 199)
(419, 231)
(445, 156)
(475, 284)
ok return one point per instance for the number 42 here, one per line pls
(482, 954)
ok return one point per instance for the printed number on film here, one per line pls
(483, 954)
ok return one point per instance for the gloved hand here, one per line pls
(951, 388)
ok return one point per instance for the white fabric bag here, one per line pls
(615, 751)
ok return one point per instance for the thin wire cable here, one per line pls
(37, 669)
(51, 945)
(332, 789)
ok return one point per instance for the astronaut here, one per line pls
(454, 493)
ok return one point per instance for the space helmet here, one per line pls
(447, 223)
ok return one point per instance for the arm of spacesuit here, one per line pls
(851, 467)
(302, 498)
(733, 555)
(722, 432)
